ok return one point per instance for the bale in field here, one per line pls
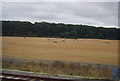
(63, 40)
(48, 39)
(55, 42)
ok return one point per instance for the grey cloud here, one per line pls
(59, 0)
(91, 13)
(97, 12)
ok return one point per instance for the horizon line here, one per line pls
(33, 22)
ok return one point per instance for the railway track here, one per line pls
(14, 75)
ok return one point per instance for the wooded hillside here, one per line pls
(45, 29)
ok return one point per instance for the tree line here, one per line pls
(60, 30)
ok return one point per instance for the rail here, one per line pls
(15, 75)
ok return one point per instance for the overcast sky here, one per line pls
(88, 13)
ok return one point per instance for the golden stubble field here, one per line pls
(80, 50)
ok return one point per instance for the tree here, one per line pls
(45, 29)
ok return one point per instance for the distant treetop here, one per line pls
(46, 29)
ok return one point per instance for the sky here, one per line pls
(70, 12)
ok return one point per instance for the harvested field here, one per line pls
(72, 50)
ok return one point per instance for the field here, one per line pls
(72, 50)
